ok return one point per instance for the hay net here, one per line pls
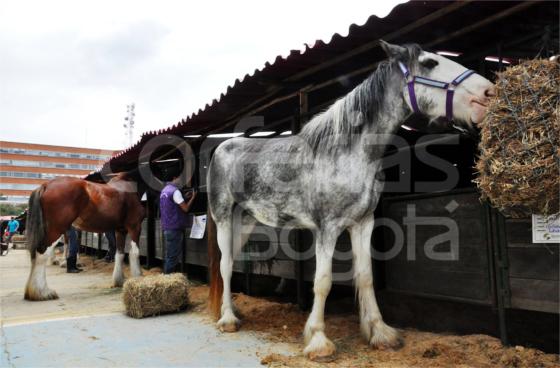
(520, 141)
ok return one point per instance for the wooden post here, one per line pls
(297, 123)
(151, 229)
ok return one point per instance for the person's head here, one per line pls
(13, 218)
(175, 179)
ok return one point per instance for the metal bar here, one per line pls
(485, 21)
(501, 277)
(408, 197)
(487, 219)
(512, 42)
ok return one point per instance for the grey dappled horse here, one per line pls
(328, 178)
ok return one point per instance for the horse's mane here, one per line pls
(122, 176)
(336, 128)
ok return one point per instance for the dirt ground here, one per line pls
(283, 322)
(278, 322)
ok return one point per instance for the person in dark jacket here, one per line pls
(111, 239)
(173, 210)
(73, 247)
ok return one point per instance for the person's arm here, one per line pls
(17, 226)
(186, 206)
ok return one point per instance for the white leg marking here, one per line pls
(36, 288)
(318, 346)
(62, 262)
(50, 255)
(373, 328)
(118, 276)
(134, 260)
(228, 322)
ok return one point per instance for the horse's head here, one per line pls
(439, 87)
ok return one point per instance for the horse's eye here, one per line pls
(429, 63)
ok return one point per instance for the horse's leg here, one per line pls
(228, 321)
(318, 346)
(118, 275)
(230, 248)
(62, 262)
(50, 254)
(377, 333)
(36, 287)
(134, 253)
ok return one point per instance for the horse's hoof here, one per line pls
(394, 345)
(51, 295)
(118, 283)
(231, 325)
(320, 349)
(42, 296)
(386, 338)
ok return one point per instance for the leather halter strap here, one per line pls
(449, 87)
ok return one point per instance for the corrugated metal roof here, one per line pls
(440, 23)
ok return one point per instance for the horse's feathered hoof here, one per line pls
(35, 296)
(118, 284)
(395, 345)
(386, 338)
(230, 324)
(320, 348)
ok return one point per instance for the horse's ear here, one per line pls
(392, 51)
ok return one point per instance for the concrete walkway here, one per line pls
(86, 327)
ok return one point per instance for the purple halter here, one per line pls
(449, 87)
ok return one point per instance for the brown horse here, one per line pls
(63, 202)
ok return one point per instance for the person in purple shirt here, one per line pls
(173, 211)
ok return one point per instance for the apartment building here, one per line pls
(24, 166)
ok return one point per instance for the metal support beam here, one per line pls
(499, 250)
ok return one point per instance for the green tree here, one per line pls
(9, 209)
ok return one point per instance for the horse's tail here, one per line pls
(35, 224)
(216, 281)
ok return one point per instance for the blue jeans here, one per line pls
(173, 249)
(73, 245)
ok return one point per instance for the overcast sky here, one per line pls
(69, 68)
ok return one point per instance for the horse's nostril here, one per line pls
(490, 92)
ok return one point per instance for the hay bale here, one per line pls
(520, 142)
(155, 294)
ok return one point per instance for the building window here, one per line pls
(14, 186)
(31, 152)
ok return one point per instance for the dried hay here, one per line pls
(155, 294)
(520, 141)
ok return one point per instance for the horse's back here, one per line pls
(64, 189)
(264, 176)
